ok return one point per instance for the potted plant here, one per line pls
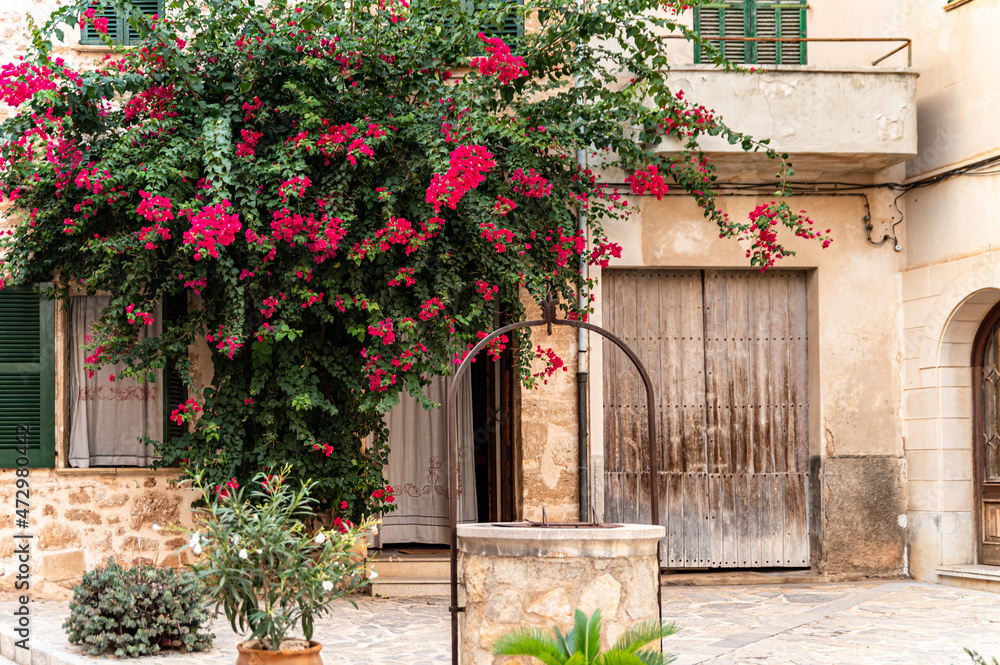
(267, 571)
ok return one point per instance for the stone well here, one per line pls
(516, 577)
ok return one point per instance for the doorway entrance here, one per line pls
(726, 351)
(494, 383)
(986, 437)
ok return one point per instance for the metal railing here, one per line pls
(907, 43)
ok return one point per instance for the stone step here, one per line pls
(971, 576)
(408, 587)
(424, 567)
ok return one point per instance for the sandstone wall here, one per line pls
(79, 518)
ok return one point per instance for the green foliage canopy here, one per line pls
(342, 196)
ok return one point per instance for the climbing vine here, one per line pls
(344, 193)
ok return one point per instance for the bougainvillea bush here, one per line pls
(345, 193)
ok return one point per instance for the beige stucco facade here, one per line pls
(889, 332)
(949, 279)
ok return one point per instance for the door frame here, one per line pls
(991, 320)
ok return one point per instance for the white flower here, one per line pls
(234, 539)
(327, 585)
(156, 527)
(260, 551)
(320, 538)
(372, 575)
(243, 554)
(197, 549)
(195, 540)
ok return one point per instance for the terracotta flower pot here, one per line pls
(308, 656)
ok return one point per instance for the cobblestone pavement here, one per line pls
(869, 623)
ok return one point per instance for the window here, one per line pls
(27, 377)
(509, 27)
(754, 18)
(119, 29)
(109, 414)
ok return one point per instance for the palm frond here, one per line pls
(530, 642)
(643, 633)
(653, 657)
(619, 657)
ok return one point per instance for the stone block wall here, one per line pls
(549, 429)
(77, 520)
(943, 307)
(537, 578)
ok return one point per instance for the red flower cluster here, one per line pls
(184, 411)
(228, 344)
(501, 62)
(648, 180)
(322, 237)
(531, 184)
(387, 494)
(553, 363)
(223, 490)
(468, 166)
(503, 206)
(294, 185)
(430, 308)
(156, 209)
(485, 290)
(210, 227)
(404, 277)
(326, 448)
(384, 331)
(146, 317)
(246, 147)
(498, 236)
(602, 253)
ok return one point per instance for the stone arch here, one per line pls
(970, 295)
(938, 422)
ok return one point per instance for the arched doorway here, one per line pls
(986, 437)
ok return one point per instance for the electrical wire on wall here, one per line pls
(834, 188)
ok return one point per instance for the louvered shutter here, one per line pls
(27, 377)
(148, 7)
(90, 36)
(722, 20)
(174, 392)
(780, 19)
(119, 29)
(511, 29)
(749, 18)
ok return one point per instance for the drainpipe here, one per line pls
(581, 375)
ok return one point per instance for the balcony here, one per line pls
(831, 119)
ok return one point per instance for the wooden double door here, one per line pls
(726, 351)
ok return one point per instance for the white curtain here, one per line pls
(418, 466)
(108, 417)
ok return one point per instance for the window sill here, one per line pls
(91, 48)
(123, 471)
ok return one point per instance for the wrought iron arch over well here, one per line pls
(549, 308)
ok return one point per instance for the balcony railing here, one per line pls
(904, 43)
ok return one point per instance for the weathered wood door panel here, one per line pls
(726, 351)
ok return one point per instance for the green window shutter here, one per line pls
(780, 18)
(511, 28)
(754, 18)
(148, 7)
(27, 377)
(119, 29)
(90, 36)
(722, 20)
(174, 391)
